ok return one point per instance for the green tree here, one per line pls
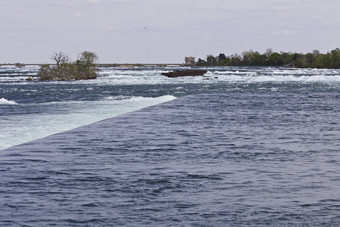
(286, 59)
(211, 60)
(258, 59)
(235, 60)
(322, 61)
(86, 66)
(247, 57)
(221, 57)
(335, 58)
(88, 58)
(275, 59)
(225, 62)
(201, 62)
(310, 59)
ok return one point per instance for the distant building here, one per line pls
(189, 61)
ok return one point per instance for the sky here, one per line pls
(163, 31)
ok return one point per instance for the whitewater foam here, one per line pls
(4, 101)
(140, 76)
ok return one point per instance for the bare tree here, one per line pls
(60, 58)
(316, 52)
(268, 52)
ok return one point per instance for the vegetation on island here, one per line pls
(84, 68)
(314, 59)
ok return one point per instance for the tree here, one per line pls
(60, 58)
(88, 58)
(268, 52)
(335, 58)
(287, 59)
(275, 59)
(211, 60)
(247, 56)
(235, 60)
(322, 61)
(221, 57)
(310, 58)
(316, 52)
(201, 62)
(85, 66)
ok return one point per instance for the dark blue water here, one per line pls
(224, 153)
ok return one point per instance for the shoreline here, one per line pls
(128, 65)
(163, 65)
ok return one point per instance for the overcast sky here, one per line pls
(163, 31)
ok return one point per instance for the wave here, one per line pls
(230, 75)
(12, 78)
(163, 98)
(4, 101)
(115, 99)
(116, 76)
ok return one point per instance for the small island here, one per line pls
(84, 68)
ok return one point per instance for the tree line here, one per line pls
(313, 59)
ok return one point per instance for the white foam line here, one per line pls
(4, 101)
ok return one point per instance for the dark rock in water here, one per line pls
(185, 73)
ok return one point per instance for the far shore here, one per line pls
(132, 65)
(102, 64)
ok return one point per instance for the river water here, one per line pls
(237, 147)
